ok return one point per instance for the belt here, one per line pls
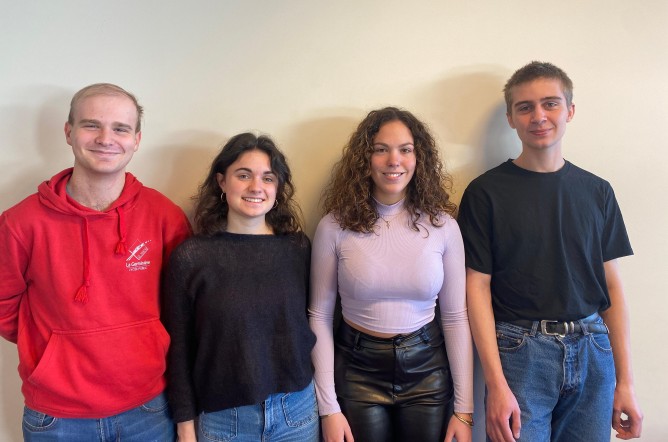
(563, 328)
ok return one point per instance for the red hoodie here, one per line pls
(79, 294)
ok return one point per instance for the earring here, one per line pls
(275, 204)
(222, 197)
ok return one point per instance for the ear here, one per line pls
(221, 180)
(137, 140)
(68, 133)
(571, 112)
(509, 116)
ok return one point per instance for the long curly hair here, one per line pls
(211, 210)
(348, 196)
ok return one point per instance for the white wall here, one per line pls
(307, 72)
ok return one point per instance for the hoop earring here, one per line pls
(222, 197)
(275, 204)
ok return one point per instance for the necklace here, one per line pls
(388, 220)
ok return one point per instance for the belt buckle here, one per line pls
(543, 328)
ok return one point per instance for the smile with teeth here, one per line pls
(393, 174)
(253, 200)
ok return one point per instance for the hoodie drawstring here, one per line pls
(121, 248)
(82, 293)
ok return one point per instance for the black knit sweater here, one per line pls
(235, 308)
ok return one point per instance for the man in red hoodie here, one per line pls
(80, 285)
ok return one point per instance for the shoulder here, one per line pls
(159, 204)
(23, 208)
(447, 225)
(488, 180)
(24, 214)
(580, 174)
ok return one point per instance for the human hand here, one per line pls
(335, 428)
(185, 431)
(459, 430)
(502, 415)
(625, 403)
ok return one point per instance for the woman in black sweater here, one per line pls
(235, 305)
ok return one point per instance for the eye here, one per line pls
(243, 176)
(123, 130)
(269, 179)
(406, 150)
(379, 149)
(551, 104)
(523, 109)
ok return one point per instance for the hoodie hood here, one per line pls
(53, 194)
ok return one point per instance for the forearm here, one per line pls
(617, 319)
(483, 329)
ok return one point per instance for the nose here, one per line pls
(104, 136)
(393, 157)
(538, 115)
(256, 184)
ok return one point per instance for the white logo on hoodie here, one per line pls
(137, 252)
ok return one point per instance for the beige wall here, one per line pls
(307, 71)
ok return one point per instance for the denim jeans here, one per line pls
(564, 385)
(284, 417)
(150, 422)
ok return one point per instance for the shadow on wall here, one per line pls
(466, 113)
(11, 407)
(39, 130)
(178, 168)
(312, 148)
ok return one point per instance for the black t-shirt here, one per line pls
(544, 238)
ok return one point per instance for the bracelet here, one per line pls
(326, 415)
(462, 419)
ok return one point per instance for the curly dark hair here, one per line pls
(348, 196)
(211, 212)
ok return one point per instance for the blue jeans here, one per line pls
(150, 422)
(284, 417)
(564, 385)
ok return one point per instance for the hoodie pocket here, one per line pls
(102, 369)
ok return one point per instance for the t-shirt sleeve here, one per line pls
(615, 242)
(475, 223)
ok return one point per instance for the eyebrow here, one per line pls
(551, 98)
(385, 144)
(115, 124)
(246, 169)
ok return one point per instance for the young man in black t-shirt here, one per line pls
(542, 239)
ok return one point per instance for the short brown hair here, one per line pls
(104, 89)
(533, 71)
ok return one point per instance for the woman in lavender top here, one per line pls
(389, 247)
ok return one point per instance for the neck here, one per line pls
(543, 162)
(97, 193)
(248, 227)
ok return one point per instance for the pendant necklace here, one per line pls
(388, 220)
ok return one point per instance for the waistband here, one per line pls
(590, 324)
(348, 335)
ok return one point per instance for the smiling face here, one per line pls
(250, 189)
(103, 134)
(392, 162)
(539, 113)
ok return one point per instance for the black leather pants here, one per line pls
(393, 390)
